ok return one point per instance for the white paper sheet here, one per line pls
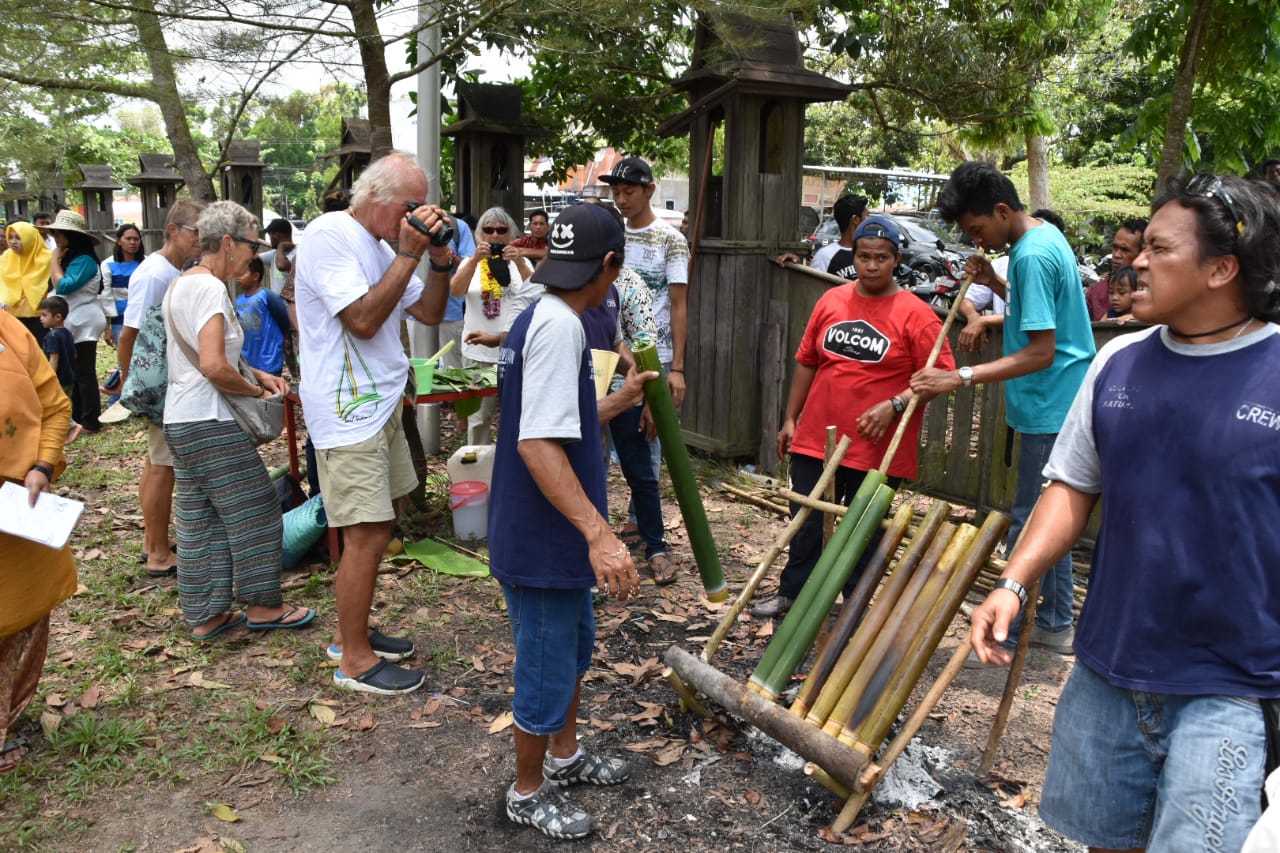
(49, 522)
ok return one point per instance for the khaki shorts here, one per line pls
(360, 481)
(157, 447)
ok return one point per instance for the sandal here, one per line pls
(283, 621)
(664, 571)
(631, 537)
(8, 759)
(233, 620)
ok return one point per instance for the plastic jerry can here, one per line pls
(472, 462)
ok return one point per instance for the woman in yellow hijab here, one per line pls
(24, 275)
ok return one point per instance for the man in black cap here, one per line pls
(550, 539)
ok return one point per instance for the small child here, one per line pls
(59, 343)
(1120, 289)
(264, 318)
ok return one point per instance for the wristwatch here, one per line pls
(1014, 587)
(966, 376)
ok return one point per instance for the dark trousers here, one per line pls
(806, 547)
(35, 327)
(86, 405)
(636, 460)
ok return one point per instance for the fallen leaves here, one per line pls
(223, 812)
(502, 722)
(197, 679)
(323, 713)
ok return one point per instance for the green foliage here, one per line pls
(1093, 200)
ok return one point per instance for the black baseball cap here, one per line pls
(580, 238)
(280, 226)
(631, 170)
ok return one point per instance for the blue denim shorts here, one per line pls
(555, 633)
(1168, 773)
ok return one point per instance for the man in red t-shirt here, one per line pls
(1124, 248)
(853, 369)
(533, 245)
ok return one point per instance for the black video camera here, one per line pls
(442, 237)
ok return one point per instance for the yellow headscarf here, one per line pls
(24, 276)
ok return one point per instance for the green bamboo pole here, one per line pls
(683, 483)
(811, 620)
(911, 615)
(903, 584)
(853, 610)
(871, 733)
(808, 593)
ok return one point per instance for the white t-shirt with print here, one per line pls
(660, 256)
(147, 287)
(191, 302)
(350, 387)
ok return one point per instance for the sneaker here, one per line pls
(775, 606)
(550, 813)
(1058, 642)
(387, 648)
(588, 768)
(384, 678)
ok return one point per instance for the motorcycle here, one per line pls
(938, 289)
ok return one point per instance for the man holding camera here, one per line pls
(352, 289)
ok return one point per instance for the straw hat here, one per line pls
(69, 220)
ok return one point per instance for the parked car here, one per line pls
(926, 252)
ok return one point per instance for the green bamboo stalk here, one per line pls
(811, 620)
(853, 610)
(903, 584)
(808, 593)
(873, 731)
(683, 483)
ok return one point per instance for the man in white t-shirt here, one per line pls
(147, 287)
(352, 290)
(280, 257)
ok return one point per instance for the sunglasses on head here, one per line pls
(494, 229)
(1210, 186)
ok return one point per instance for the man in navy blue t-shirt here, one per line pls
(1159, 739)
(550, 540)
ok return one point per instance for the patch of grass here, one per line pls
(100, 750)
(260, 734)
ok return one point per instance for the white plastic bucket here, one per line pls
(469, 501)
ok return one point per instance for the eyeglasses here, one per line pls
(494, 229)
(1210, 186)
(191, 228)
(246, 240)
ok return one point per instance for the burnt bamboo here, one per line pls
(899, 591)
(872, 732)
(836, 758)
(876, 677)
(809, 619)
(925, 585)
(688, 699)
(826, 780)
(853, 610)
(1011, 683)
(683, 482)
(763, 676)
(731, 616)
(829, 520)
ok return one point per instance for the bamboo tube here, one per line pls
(872, 733)
(731, 616)
(808, 593)
(903, 585)
(683, 481)
(875, 677)
(810, 619)
(829, 520)
(914, 402)
(837, 510)
(839, 704)
(853, 610)
(755, 500)
(826, 780)
(1011, 683)
(688, 699)
(836, 758)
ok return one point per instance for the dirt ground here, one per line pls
(246, 745)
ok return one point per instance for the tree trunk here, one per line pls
(1184, 85)
(1037, 171)
(186, 157)
(377, 78)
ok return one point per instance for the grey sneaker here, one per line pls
(1058, 642)
(550, 813)
(588, 768)
(778, 605)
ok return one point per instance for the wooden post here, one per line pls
(773, 373)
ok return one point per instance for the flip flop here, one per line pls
(664, 571)
(231, 622)
(280, 623)
(20, 745)
(163, 573)
(631, 538)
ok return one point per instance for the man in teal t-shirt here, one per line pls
(1048, 345)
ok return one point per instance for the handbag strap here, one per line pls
(194, 357)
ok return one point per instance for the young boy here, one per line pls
(264, 318)
(1120, 289)
(59, 344)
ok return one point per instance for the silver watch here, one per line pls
(1014, 587)
(966, 376)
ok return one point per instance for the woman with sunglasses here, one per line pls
(493, 280)
(229, 527)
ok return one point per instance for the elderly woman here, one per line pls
(33, 578)
(76, 278)
(24, 275)
(493, 282)
(229, 528)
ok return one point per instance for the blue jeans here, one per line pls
(655, 459)
(1056, 588)
(555, 633)
(642, 478)
(1169, 773)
